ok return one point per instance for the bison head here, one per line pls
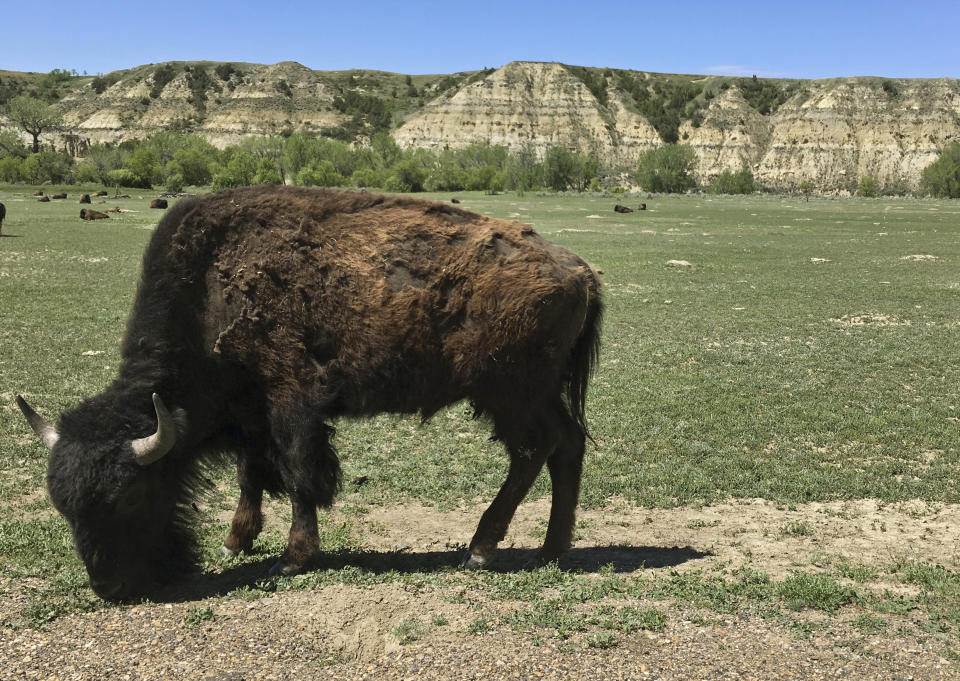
(120, 499)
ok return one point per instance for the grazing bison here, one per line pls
(85, 198)
(91, 214)
(61, 195)
(158, 203)
(265, 313)
(622, 209)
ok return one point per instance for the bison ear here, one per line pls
(47, 433)
(148, 450)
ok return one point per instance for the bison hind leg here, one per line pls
(553, 436)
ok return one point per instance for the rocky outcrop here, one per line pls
(842, 130)
(255, 103)
(829, 134)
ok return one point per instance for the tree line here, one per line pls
(173, 160)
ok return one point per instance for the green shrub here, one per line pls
(87, 173)
(121, 177)
(366, 177)
(174, 183)
(10, 169)
(163, 75)
(728, 182)
(868, 187)
(667, 169)
(323, 174)
(942, 177)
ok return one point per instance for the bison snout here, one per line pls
(109, 590)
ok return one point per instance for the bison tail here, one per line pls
(583, 360)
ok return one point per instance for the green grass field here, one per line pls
(806, 351)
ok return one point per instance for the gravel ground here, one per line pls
(350, 632)
(265, 640)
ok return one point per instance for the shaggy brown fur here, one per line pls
(265, 313)
(158, 203)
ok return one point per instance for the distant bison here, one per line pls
(91, 214)
(622, 209)
(102, 192)
(642, 206)
(61, 195)
(158, 203)
(264, 313)
(454, 200)
(44, 199)
(115, 209)
(85, 198)
(3, 214)
(38, 192)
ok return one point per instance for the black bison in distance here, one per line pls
(265, 313)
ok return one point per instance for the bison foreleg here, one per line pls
(247, 523)
(303, 541)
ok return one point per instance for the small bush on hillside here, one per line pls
(942, 177)
(868, 187)
(729, 182)
(667, 169)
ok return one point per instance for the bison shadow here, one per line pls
(253, 574)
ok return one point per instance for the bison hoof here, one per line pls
(281, 569)
(227, 553)
(472, 561)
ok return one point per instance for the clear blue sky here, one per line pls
(803, 39)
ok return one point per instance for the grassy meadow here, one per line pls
(764, 347)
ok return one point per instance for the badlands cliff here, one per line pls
(828, 133)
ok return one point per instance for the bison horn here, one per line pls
(148, 450)
(47, 433)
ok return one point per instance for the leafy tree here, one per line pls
(942, 177)
(121, 177)
(667, 169)
(144, 166)
(87, 173)
(10, 169)
(238, 171)
(565, 169)
(729, 182)
(386, 148)
(47, 166)
(11, 145)
(266, 149)
(299, 151)
(806, 188)
(407, 176)
(267, 173)
(33, 116)
(323, 174)
(367, 177)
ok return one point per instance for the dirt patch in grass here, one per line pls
(447, 624)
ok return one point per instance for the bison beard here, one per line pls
(265, 313)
